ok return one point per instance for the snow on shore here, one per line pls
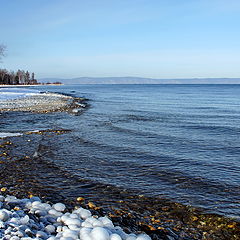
(21, 99)
(14, 93)
(8, 134)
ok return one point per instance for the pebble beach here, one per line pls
(30, 218)
(33, 219)
(17, 99)
(27, 215)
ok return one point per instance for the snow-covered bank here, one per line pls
(21, 99)
(32, 219)
(14, 93)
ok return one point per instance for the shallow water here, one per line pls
(179, 142)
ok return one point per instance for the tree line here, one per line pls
(20, 77)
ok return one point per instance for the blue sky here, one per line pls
(145, 38)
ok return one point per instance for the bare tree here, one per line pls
(14, 78)
(3, 73)
(2, 51)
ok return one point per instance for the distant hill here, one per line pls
(138, 80)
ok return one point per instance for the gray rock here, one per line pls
(4, 216)
(41, 234)
(50, 229)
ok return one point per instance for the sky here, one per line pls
(105, 38)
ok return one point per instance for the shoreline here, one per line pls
(25, 174)
(44, 103)
(31, 85)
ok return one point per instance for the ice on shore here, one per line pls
(21, 99)
(8, 134)
(14, 93)
(34, 219)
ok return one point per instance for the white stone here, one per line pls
(10, 199)
(85, 231)
(24, 220)
(55, 213)
(41, 234)
(14, 238)
(87, 225)
(20, 234)
(64, 218)
(50, 228)
(115, 236)
(74, 227)
(67, 238)
(40, 212)
(52, 238)
(4, 216)
(46, 206)
(86, 238)
(97, 223)
(36, 203)
(32, 199)
(131, 238)
(120, 232)
(106, 222)
(65, 228)
(73, 215)
(143, 237)
(59, 229)
(60, 207)
(100, 233)
(70, 233)
(73, 221)
(84, 213)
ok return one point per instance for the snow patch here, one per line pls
(14, 93)
(5, 134)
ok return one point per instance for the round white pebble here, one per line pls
(100, 233)
(97, 223)
(73, 221)
(50, 228)
(28, 219)
(115, 236)
(84, 213)
(4, 216)
(54, 213)
(143, 237)
(51, 238)
(70, 233)
(35, 203)
(41, 234)
(60, 207)
(131, 238)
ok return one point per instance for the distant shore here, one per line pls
(32, 85)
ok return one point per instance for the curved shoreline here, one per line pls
(43, 103)
(161, 219)
(24, 173)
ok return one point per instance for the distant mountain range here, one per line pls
(139, 80)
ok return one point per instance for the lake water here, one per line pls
(180, 142)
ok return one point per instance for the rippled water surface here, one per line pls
(180, 142)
